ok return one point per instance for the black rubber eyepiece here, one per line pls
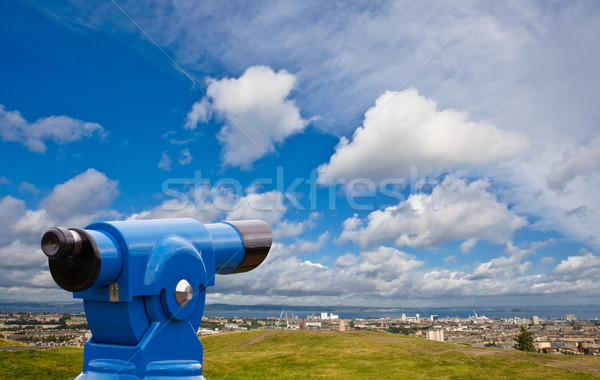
(58, 242)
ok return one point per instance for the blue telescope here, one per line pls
(143, 285)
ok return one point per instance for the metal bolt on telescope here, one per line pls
(143, 285)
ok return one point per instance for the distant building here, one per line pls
(543, 344)
(521, 321)
(418, 317)
(331, 317)
(570, 317)
(536, 320)
(437, 335)
(403, 317)
(433, 317)
(342, 326)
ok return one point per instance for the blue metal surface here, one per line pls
(147, 334)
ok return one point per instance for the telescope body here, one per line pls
(143, 285)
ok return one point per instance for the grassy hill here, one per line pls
(276, 354)
(8, 343)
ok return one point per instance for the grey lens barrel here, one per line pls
(257, 237)
(59, 242)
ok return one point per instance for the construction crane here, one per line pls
(279, 319)
(287, 322)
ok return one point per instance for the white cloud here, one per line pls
(77, 202)
(449, 259)
(18, 255)
(185, 157)
(83, 194)
(518, 66)
(547, 260)
(575, 268)
(503, 266)
(74, 203)
(455, 210)
(208, 205)
(387, 276)
(26, 187)
(309, 246)
(286, 229)
(571, 209)
(256, 111)
(60, 129)
(405, 129)
(467, 245)
(267, 206)
(581, 162)
(165, 162)
(11, 210)
(200, 113)
(199, 203)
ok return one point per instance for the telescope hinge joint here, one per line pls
(114, 292)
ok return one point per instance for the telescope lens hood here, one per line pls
(257, 237)
(73, 258)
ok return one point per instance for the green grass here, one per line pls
(8, 343)
(375, 355)
(53, 364)
(277, 354)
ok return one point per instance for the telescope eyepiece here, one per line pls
(60, 242)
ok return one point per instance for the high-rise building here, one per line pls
(437, 335)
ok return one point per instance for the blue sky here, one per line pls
(405, 154)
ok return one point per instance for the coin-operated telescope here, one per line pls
(143, 287)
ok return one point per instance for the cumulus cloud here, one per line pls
(165, 162)
(77, 202)
(582, 161)
(310, 246)
(185, 157)
(455, 210)
(575, 268)
(405, 129)
(571, 209)
(467, 245)
(200, 113)
(74, 203)
(60, 129)
(200, 203)
(505, 265)
(81, 195)
(386, 275)
(256, 111)
(209, 204)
